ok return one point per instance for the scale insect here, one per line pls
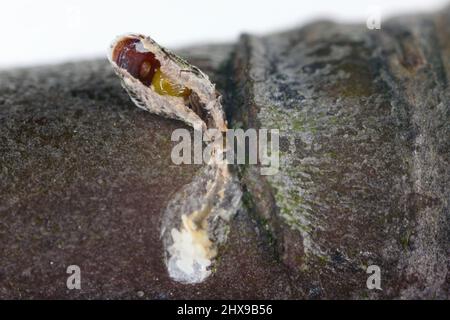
(195, 222)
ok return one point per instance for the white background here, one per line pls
(51, 31)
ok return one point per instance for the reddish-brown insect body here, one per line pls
(131, 55)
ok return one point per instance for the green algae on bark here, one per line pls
(352, 106)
